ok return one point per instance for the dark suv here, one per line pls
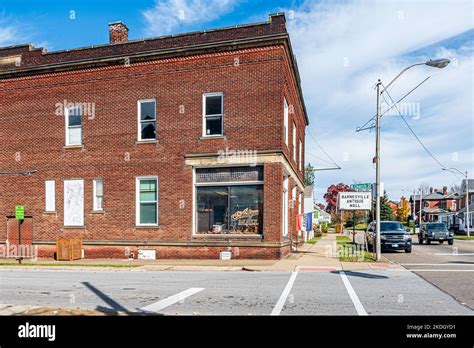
(435, 231)
(393, 236)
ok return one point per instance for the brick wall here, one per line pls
(33, 138)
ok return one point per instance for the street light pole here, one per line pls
(437, 63)
(377, 177)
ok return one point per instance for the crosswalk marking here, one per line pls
(162, 304)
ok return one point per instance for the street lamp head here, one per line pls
(438, 63)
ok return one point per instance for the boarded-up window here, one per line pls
(50, 195)
(73, 202)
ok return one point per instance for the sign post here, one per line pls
(354, 201)
(20, 216)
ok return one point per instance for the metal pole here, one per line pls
(377, 177)
(19, 241)
(421, 206)
(413, 212)
(353, 226)
(467, 207)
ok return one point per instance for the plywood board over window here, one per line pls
(74, 202)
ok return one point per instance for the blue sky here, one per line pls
(342, 47)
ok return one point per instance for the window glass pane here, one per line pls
(148, 130)
(246, 209)
(147, 110)
(147, 185)
(212, 209)
(75, 136)
(214, 105)
(213, 125)
(147, 196)
(99, 203)
(99, 187)
(148, 213)
(148, 192)
(74, 116)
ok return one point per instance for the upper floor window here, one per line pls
(301, 156)
(73, 125)
(213, 114)
(285, 121)
(294, 142)
(147, 119)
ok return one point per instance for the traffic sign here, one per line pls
(20, 212)
(362, 187)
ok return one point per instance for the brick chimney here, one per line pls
(431, 190)
(445, 190)
(118, 32)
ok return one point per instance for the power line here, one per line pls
(321, 148)
(411, 129)
(361, 128)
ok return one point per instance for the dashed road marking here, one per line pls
(162, 304)
(352, 294)
(286, 291)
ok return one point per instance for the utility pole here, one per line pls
(421, 206)
(377, 177)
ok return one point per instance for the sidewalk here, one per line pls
(310, 257)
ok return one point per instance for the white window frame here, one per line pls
(294, 142)
(137, 200)
(66, 120)
(300, 164)
(94, 193)
(50, 196)
(204, 116)
(285, 121)
(285, 207)
(139, 119)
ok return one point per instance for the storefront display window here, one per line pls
(233, 207)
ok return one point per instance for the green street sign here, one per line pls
(366, 186)
(20, 212)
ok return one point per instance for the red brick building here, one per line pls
(188, 145)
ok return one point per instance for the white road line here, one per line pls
(157, 306)
(355, 299)
(452, 254)
(286, 291)
(437, 264)
(431, 270)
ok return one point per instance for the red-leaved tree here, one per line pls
(331, 196)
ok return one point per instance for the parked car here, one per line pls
(393, 236)
(435, 231)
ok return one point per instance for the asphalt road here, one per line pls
(448, 267)
(316, 292)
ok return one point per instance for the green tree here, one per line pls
(386, 213)
(309, 175)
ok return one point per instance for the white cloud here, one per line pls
(168, 16)
(9, 33)
(343, 48)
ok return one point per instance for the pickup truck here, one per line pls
(435, 231)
